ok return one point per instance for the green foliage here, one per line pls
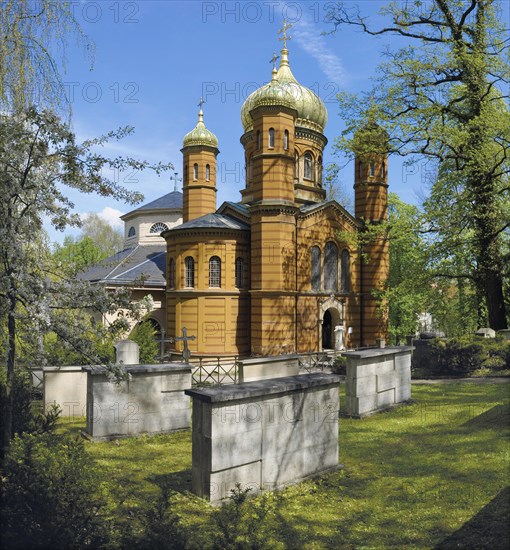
(39, 159)
(26, 417)
(74, 256)
(157, 526)
(144, 334)
(33, 50)
(468, 355)
(108, 239)
(339, 365)
(441, 96)
(53, 495)
(244, 523)
(95, 344)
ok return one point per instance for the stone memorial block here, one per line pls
(151, 401)
(264, 434)
(127, 352)
(67, 387)
(263, 368)
(377, 379)
(486, 333)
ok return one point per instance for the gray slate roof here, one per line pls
(130, 265)
(214, 221)
(171, 200)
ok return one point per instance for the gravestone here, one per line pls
(486, 333)
(377, 379)
(151, 400)
(66, 387)
(263, 435)
(127, 352)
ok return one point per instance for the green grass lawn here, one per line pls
(433, 474)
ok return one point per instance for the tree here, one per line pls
(334, 188)
(440, 97)
(39, 157)
(31, 34)
(108, 239)
(75, 255)
(409, 284)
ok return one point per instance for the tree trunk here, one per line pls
(11, 354)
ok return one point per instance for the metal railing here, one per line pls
(317, 360)
(214, 370)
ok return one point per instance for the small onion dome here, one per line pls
(273, 93)
(200, 135)
(311, 110)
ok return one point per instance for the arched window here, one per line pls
(239, 273)
(207, 172)
(270, 138)
(345, 281)
(319, 171)
(296, 165)
(158, 227)
(215, 272)
(315, 257)
(195, 171)
(308, 168)
(286, 139)
(131, 232)
(372, 168)
(331, 267)
(171, 273)
(259, 144)
(189, 272)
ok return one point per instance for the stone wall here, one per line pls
(151, 401)
(377, 379)
(67, 387)
(263, 368)
(264, 434)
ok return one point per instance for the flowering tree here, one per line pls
(39, 159)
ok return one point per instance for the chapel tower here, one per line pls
(200, 148)
(371, 207)
(283, 142)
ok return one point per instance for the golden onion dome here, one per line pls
(200, 135)
(311, 111)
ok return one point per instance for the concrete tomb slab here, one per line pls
(377, 379)
(263, 434)
(152, 400)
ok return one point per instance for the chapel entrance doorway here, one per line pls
(330, 320)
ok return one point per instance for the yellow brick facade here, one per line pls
(288, 279)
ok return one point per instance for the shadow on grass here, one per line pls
(497, 417)
(175, 481)
(489, 529)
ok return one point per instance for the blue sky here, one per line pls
(155, 59)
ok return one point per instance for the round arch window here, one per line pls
(158, 227)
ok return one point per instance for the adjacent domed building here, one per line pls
(271, 274)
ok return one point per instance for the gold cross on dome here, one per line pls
(200, 103)
(283, 31)
(274, 59)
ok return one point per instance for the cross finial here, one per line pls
(200, 103)
(283, 32)
(176, 179)
(274, 59)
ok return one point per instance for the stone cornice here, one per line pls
(312, 135)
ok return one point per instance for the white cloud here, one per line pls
(309, 38)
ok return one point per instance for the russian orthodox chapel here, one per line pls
(272, 274)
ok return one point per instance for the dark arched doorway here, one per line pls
(327, 330)
(330, 320)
